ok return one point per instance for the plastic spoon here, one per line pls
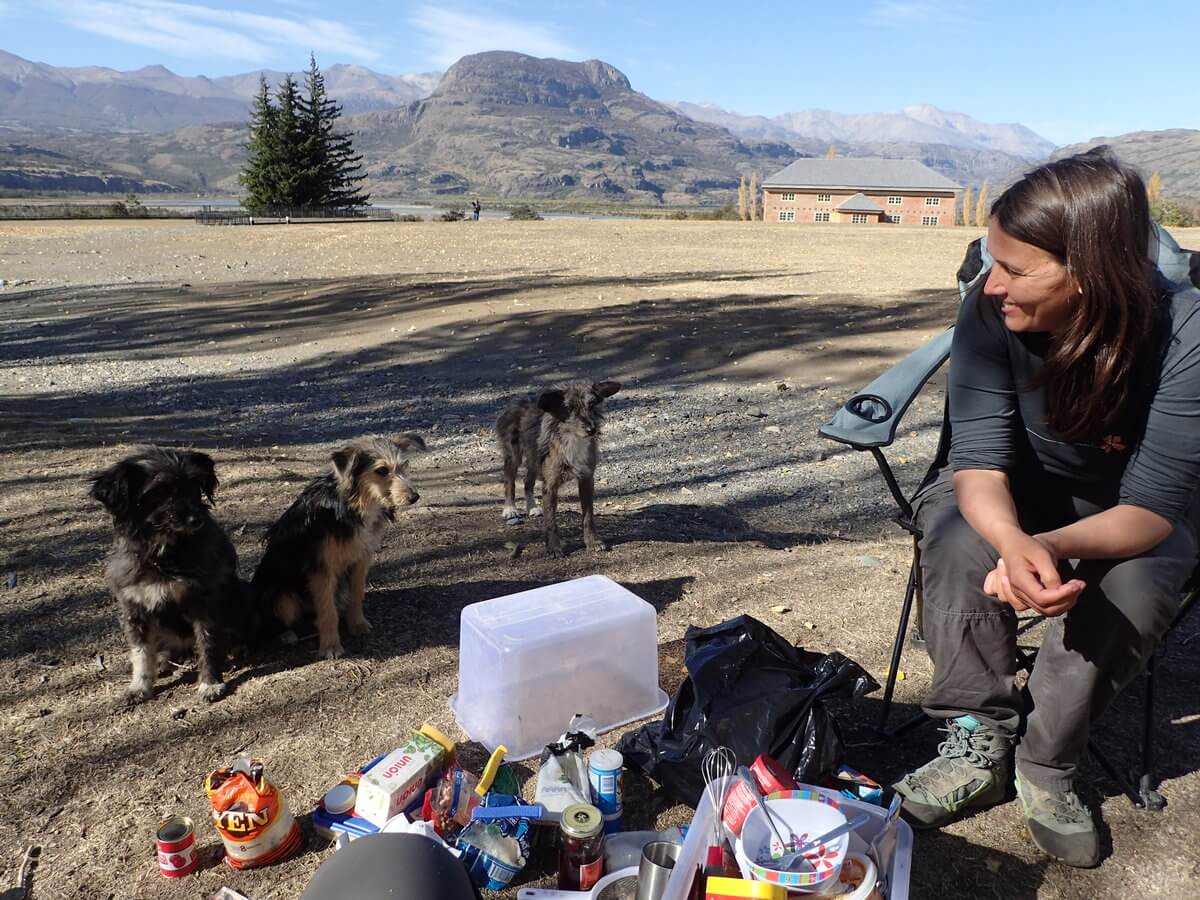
(785, 862)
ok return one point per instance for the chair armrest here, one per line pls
(870, 418)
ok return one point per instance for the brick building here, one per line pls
(860, 192)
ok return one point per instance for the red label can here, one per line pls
(176, 843)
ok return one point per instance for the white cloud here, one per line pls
(901, 13)
(451, 34)
(194, 30)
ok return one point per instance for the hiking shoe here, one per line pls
(971, 771)
(1060, 824)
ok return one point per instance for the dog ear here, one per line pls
(409, 441)
(118, 487)
(551, 401)
(345, 461)
(606, 389)
(201, 467)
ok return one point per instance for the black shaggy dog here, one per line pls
(558, 436)
(319, 551)
(172, 569)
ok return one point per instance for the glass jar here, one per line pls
(581, 848)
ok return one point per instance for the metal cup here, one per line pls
(654, 871)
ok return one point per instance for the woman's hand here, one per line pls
(1026, 577)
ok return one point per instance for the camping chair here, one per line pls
(868, 422)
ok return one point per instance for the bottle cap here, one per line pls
(340, 799)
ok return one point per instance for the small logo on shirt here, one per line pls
(1113, 443)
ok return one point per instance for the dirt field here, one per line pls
(266, 347)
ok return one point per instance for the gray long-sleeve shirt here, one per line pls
(997, 418)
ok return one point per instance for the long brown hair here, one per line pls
(1091, 213)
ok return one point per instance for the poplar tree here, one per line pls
(742, 199)
(981, 205)
(753, 200)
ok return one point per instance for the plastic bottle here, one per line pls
(624, 848)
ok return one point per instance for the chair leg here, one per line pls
(1147, 784)
(917, 641)
(889, 688)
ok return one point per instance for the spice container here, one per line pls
(581, 851)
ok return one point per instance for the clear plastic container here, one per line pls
(528, 662)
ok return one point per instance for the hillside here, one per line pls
(1174, 154)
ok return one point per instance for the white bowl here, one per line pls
(806, 816)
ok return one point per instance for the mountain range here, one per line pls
(495, 123)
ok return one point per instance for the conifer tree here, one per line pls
(336, 170)
(742, 199)
(753, 199)
(294, 173)
(981, 205)
(261, 149)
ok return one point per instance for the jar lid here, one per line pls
(582, 820)
(340, 799)
(606, 760)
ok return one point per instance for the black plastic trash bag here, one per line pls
(750, 690)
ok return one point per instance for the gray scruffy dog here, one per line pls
(172, 569)
(557, 435)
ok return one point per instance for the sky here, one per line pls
(1068, 69)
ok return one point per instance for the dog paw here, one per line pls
(213, 691)
(512, 515)
(555, 552)
(332, 651)
(359, 628)
(534, 512)
(137, 693)
(599, 546)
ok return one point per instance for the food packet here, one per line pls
(563, 777)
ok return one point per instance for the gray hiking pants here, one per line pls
(1087, 655)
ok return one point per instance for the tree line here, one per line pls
(297, 159)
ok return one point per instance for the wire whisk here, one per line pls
(718, 768)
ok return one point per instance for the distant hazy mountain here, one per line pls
(91, 98)
(921, 124)
(1174, 154)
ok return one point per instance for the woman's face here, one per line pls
(1033, 288)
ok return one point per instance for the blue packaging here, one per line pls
(486, 870)
(604, 776)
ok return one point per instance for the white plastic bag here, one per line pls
(563, 776)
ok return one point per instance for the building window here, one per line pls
(859, 218)
(824, 198)
(821, 217)
(787, 215)
(895, 201)
(929, 220)
(933, 201)
(894, 218)
(788, 195)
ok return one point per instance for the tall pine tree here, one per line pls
(261, 151)
(336, 170)
(295, 175)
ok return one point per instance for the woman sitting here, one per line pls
(1071, 490)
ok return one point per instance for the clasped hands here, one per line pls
(1027, 577)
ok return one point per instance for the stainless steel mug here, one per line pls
(654, 871)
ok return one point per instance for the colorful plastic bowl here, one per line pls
(807, 815)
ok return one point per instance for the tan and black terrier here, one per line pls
(319, 551)
(557, 435)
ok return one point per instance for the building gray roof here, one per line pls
(857, 174)
(860, 204)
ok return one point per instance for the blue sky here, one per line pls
(1066, 68)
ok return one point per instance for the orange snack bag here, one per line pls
(251, 816)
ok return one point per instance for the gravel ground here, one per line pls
(268, 346)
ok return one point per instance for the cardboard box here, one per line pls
(402, 776)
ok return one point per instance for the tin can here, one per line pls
(176, 844)
(581, 851)
(604, 775)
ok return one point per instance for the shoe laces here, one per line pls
(973, 746)
(1066, 807)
